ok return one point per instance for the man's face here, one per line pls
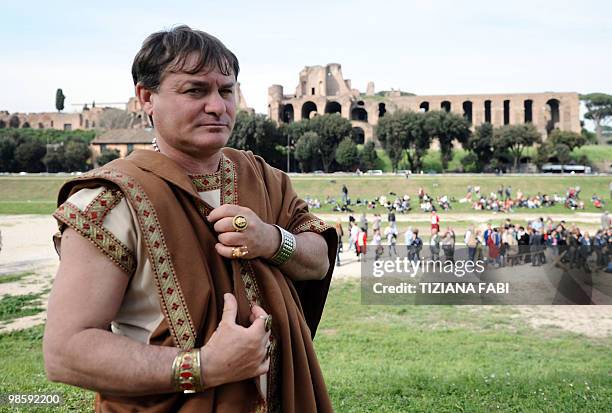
(194, 113)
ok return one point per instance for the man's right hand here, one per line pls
(235, 353)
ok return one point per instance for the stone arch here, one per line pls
(359, 113)
(308, 108)
(358, 135)
(287, 114)
(14, 121)
(552, 114)
(382, 109)
(333, 107)
(445, 106)
(487, 110)
(26, 125)
(424, 106)
(528, 110)
(2, 124)
(467, 110)
(506, 112)
(41, 125)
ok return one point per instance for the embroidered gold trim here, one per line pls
(102, 204)
(104, 240)
(171, 296)
(208, 182)
(229, 195)
(229, 190)
(313, 225)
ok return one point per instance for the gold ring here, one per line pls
(268, 323)
(239, 222)
(239, 252)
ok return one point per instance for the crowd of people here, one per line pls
(508, 244)
(502, 200)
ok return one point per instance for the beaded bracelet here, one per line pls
(186, 371)
(286, 249)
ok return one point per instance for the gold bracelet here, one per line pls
(186, 371)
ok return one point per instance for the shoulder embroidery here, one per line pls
(104, 240)
(102, 204)
(313, 225)
(172, 300)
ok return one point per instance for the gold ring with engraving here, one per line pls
(239, 222)
(239, 252)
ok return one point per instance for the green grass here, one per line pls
(369, 187)
(454, 359)
(432, 162)
(10, 278)
(37, 195)
(409, 358)
(22, 372)
(17, 306)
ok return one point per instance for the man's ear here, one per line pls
(144, 96)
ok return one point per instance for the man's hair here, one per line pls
(168, 51)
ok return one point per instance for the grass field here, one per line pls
(369, 187)
(37, 195)
(597, 154)
(409, 358)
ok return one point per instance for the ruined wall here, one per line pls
(322, 89)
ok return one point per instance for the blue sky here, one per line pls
(435, 47)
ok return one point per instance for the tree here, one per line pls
(331, 129)
(54, 159)
(392, 136)
(259, 134)
(107, 155)
(306, 151)
(29, 155)
(480, 143)
(368, 156)
(570, 139)
(7, 153)
(403, 133)
(446, 127)
(515, 139)
(347, 154)
(599, 109)
(76, 155)
(59, 100)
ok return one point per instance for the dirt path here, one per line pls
(27, 246)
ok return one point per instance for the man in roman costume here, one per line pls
(192, 278)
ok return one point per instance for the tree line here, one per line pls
(325, 142)
(44, 150)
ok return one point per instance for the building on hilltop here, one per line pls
(94, 117)
(123, 140)
(323, 89)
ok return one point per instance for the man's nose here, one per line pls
(215, 104)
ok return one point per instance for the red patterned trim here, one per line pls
(229, 190)
(104, 240)
(204, 183)
(102, 204)
(313, 225)
(171, 296)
